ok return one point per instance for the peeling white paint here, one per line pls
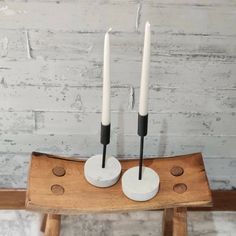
(4, 46)
(3, 82)
(79, 16)
(131, 98)
(7, 11)
(28, 48)
(138, 16)
(90, 48)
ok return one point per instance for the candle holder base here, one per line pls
(140, 190)
(102, 177)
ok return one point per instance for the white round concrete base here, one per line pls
(102, 177)
(140, 190)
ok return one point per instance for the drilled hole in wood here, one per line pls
(180, 188)
(57, 189)
(59, 171)
(177, 171)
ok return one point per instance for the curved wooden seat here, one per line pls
(57, 185)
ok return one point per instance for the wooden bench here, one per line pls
(57, 186)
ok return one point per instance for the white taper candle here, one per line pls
(106, 81)
(143, 98)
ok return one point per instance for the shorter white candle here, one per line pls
(143, 98)
(106, 81)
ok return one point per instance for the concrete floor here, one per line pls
(22, 223)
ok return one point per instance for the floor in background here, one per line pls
(22, 223)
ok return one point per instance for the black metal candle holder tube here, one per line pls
(142, 132)
(105, 139)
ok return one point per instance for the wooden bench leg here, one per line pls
(175, 222)
(43, 224)
(53, 224)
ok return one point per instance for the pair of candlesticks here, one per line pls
(139, 183)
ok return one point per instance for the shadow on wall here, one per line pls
(162, 142)
(120, 135)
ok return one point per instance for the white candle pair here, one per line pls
(143, 99)
(106, 175)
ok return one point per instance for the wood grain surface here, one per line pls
(79, 196)
(11, 199)
(175, 222)
(53, 225)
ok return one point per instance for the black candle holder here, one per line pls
(142, 132)
(146, 186)
(101, 170)
(105, 139)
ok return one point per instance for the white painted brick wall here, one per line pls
(51, 68)
(50, 94)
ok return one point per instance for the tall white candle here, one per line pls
(106, 81)
(143, 98)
